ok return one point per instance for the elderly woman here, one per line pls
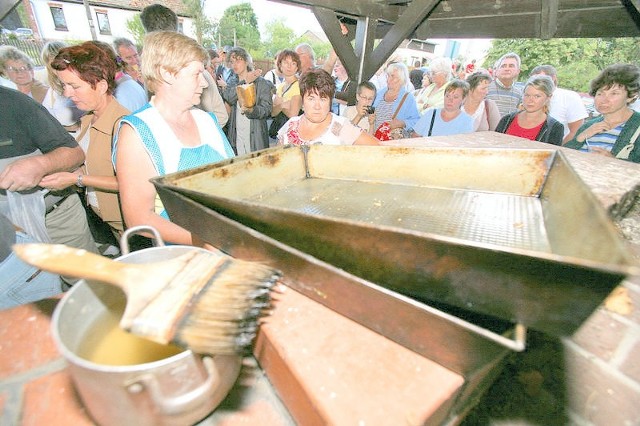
(88, 75)
(247, 127)
(318, 124)
(58, 105)
(432, 96)
(534, 121)
(484, 111)
(616, 132)
(450, 119)
(18, 67)
(394, 105)
(169, 134)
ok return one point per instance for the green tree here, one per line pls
(204, 28)
(240, 21)
(278, 36)
(135, 28)
(577, 60)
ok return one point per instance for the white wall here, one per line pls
(78, 24)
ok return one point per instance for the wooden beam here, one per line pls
(633, 7)
(6, 6)
(406, 24)
(548, 19)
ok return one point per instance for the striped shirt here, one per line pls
(604, 140)
(506, 99)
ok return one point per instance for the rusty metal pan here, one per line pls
(511, 234)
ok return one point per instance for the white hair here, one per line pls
(402, 69)
(441, 65)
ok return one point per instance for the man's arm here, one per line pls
(211, 101)
(27, 173)
(573, 128)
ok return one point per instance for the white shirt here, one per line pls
(566, 107)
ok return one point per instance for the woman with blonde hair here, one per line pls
(534, 121)
(58, 105)
(168, 134)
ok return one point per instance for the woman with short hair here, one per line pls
(88, 76)
(484, 111)
(18, 67)
(318, 124)
(432, 96)
(394, 105)
(450, 119)
(247, 126)
(167, 135)
(616, 132)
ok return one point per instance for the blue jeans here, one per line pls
(21, 283)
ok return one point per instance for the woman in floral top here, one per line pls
(318, 124)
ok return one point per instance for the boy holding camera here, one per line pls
(362, 114)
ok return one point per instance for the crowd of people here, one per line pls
(108, 119)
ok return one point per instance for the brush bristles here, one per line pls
(225, 317)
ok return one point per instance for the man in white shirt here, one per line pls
(566, 105)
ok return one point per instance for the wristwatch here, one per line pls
(79, 183)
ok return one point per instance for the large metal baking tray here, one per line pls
(513, 234)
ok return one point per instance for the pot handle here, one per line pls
(124, 239)
(183, 403)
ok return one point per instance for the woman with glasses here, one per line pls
(534, 121)
(18, 67)
(432, 96)
(247, 126)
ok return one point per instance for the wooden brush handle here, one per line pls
(72, 262)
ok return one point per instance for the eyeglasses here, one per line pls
(19, 69)
(366, 98)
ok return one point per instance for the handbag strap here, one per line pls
(486, 111)
(433, 118)
(626, 150)
(399, 105)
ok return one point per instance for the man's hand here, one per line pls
(23, 174)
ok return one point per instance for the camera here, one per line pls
(370, 109)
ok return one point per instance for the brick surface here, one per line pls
(51, 401)
(20, 329)
(601, 334)
(597, 393)
(330, 370)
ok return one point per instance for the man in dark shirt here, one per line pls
(34, 144)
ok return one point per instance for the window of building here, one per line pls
(103, 22)
(59, 21)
